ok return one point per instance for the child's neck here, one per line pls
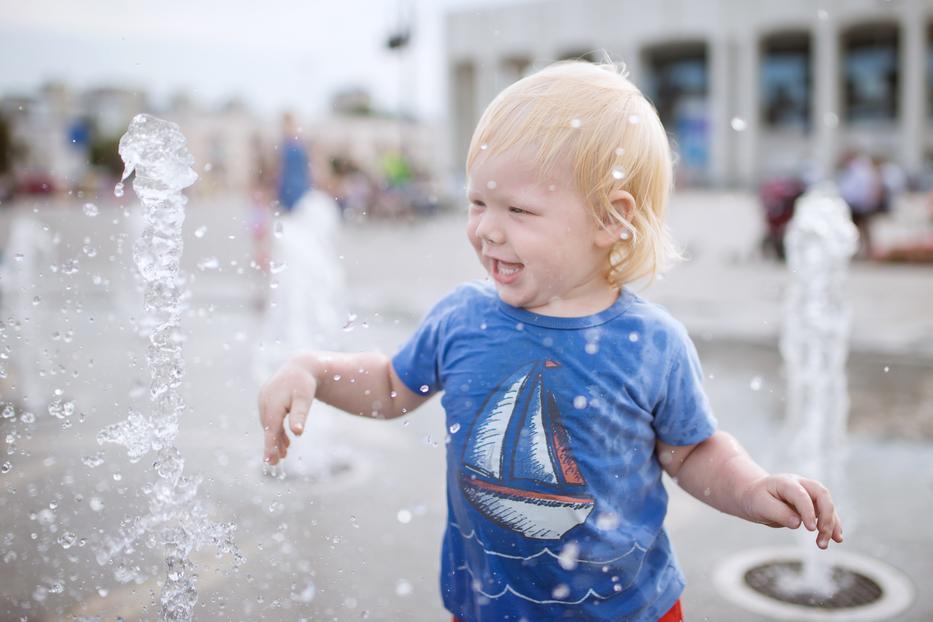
(578, 306)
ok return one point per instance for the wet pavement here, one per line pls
(361, 541)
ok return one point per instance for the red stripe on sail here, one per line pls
(526, 494)
(568, 465)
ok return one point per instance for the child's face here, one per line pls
(536, 238)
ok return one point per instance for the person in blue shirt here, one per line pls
(294, 173)
(566, 394)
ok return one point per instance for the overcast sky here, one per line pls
(274, 54)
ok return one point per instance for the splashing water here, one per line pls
(820, 241)
(156, 151)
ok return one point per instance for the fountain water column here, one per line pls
(156, 150)
(29, 248)
(820, 242)
(803, 583)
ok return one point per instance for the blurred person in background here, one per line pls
(862, 186)
(294, 172)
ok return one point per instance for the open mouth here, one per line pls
(506, 272)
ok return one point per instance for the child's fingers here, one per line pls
(793, 492)
(777, 513)
(298, 414)
(270, 445)
(825, 510)
(837, 531)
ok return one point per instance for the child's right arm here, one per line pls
(363, 384)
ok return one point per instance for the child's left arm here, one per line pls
(720, 473)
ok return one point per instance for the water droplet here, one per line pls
(569, 555)
(94, 460)
(403, 516)
(200, 231)
(403, 588)
(278, 229)
(275, 268)
(618, 172)
(607, 521)
(738, 124)
(118, 190)
(484, 146)
(209, 263)
(591, 348)
(620, 151)
(348, 325)
(634, 119)
(561, 591)
(67, 539)
(886, 369)
(633, 336)
(96, 504)
(6, 467)
(491, 184)
(575, 123)
(90, 209)
(424, 388)
(755, 383)
(117, 477)
(18, 257)
(454, 428)
(579, 402)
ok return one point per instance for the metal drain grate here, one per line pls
(855, 589)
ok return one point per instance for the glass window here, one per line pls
(678, 84)
(929, 85)
(871, 74)
(785, 81)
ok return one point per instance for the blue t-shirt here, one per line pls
(554, 493)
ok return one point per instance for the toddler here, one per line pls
(566, 394)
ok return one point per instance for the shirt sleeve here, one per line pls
(683, 415)
(419, 361)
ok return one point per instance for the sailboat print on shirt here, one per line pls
(518, 469)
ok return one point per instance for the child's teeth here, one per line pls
(506, 270)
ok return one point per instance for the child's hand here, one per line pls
(789, 500)
(288, 393)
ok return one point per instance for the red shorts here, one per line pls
(674, 614)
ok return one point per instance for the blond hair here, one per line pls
(594, 118)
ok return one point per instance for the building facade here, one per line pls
(746, 88)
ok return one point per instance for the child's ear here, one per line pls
(612, 231)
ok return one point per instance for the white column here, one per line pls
(826, 105)
(719, 110)
(912, 64)
(748, 85)
(487, 81)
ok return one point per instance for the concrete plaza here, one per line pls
(362, 543)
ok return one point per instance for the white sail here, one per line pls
(486, 444)
(533, 460)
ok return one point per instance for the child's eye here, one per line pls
(477, 204)
(518, 210)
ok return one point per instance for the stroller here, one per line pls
(777, 198)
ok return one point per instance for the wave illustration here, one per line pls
(545, 551)
(590, 593)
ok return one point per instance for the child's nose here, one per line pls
(488, 230)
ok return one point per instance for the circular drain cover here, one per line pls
(854, 588)
(870, 590)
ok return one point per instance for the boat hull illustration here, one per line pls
(545, 517)
(518, 467)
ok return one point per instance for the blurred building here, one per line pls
(746, 89)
